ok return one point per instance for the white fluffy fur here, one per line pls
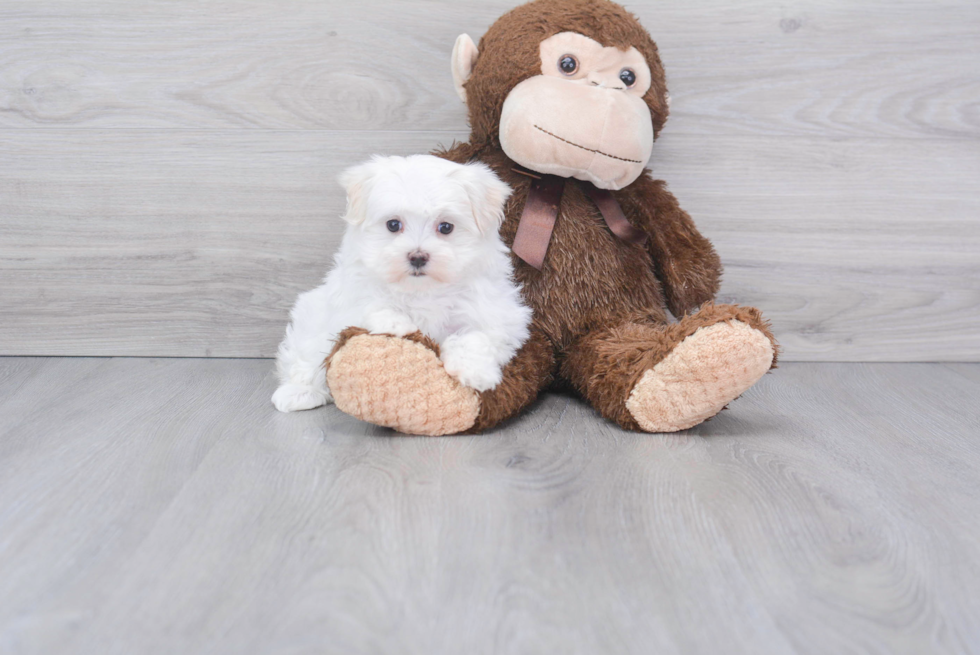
(466, 300)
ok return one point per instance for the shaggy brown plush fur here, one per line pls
(591, 279)
(531, 370)
(604, 366)
(600, 304)
(509, 54)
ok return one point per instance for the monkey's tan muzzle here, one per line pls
(573, 129)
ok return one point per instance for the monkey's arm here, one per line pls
(459, 152)
(685, 262)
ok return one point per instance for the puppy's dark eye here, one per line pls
(445, 228)
(394, 225)
(628, 77)
(568, 64)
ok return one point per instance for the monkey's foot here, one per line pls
(702, 374)
(399, 383)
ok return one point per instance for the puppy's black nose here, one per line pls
(418, 259)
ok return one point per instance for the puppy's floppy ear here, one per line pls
(487, 194)
(357, 181)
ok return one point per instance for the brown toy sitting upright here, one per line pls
(565, 98)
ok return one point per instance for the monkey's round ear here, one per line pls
(487, 194)
(356, 180)
(464, 56)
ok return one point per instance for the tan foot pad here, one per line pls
(701, 375)
(399, 384)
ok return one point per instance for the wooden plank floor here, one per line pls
(163, 506)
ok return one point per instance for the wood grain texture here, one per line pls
(163, 506)
(168, 167)
(195, 243)
(868, 68)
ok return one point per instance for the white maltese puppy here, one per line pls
(421, 252)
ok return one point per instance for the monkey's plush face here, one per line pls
(584, 116)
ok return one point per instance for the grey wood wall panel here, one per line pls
(195, 243)
(164, 506)
(869, 68)
(166, 168)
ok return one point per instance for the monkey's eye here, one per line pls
(445, 228)
(394, 225)
(568, 64)
(628, 77)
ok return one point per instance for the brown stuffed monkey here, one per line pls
(565, 99)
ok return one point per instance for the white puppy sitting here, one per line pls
(421, 252)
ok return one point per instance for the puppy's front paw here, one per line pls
(294, 397)
(470, 359)
(388, 321)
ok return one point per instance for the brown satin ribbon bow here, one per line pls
(541, 212)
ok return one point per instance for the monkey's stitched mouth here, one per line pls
(598, 152)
